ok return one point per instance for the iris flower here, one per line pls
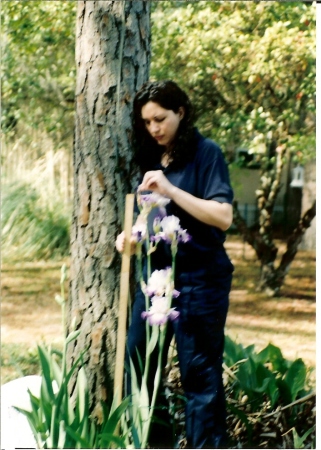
(160, 312)
(170, 230)
(139, 232)
(160, 283)
(147, 202)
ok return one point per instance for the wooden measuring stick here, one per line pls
(123, 300)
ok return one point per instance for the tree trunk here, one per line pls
(113, 58)
(272, 278)
(294, 242)
(309, 190)
(260, 237)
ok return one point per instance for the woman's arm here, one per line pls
(210, 212)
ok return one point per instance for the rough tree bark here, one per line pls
(113, 59)
(261, 237)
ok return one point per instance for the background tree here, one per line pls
(38, 68)
(112, 58)
(37, 120)
(249, 68)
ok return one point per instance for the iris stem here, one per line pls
(144, 426)
(157, 380)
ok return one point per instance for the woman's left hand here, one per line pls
(211, 212)
(155, 180)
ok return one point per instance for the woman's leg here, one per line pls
(199, 335)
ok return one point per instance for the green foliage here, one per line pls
(31, 227)
(38, 66)
(299, 440)
(38, 84)
(266, 374)
(236, 352)
(263, 385)
(249, 68)
(61, 420)
(18, 360)
(141, 405)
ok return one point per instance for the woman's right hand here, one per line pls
(120, 243)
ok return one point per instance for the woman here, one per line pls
(178, 162)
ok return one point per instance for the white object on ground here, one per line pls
(15, 428)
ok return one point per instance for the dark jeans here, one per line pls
(199, 334)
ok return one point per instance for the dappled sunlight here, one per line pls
(287, 321)
(31, 315)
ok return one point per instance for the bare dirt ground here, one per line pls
(30, 315)
(29, 312)
(289, 321)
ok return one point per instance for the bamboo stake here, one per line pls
(123, 300)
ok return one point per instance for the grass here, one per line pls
(30, 315)
(33, 227)
(18, 360)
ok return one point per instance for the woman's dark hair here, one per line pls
(169, 96)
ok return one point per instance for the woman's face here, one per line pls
(162, 124)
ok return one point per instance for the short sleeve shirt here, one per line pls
(205, 177)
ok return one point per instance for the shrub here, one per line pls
(32, 228)
(269, 401)
(268, 398)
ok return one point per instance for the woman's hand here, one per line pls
(121, 238)
(210, 212)
(120, 243)
(155, 180)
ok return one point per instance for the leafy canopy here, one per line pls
(38, 42)
(249, 68)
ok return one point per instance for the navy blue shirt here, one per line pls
(206, 177)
